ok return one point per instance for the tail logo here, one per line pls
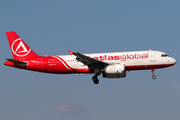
(19, 49)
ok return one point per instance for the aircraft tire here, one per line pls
(154, 77)
(95, 79)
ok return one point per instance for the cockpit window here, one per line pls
(164, 55)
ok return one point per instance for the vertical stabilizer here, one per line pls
(18, 47)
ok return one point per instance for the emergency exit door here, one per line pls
(152, 56)
(39, 63)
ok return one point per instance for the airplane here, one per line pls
(110, 65)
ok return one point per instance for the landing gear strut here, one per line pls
(154, 77)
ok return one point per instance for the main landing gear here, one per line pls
(154, 76)
(95, 79)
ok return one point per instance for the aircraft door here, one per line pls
(152, 56)
(39, 63)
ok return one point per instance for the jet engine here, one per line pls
(114, 71)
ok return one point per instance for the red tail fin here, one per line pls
(18, 47)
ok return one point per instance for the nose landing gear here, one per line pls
(154, 76)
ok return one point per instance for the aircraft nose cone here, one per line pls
(173, 61)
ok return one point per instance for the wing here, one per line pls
(90, 62)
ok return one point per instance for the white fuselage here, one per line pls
(135, 58)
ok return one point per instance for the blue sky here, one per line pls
(56, 26)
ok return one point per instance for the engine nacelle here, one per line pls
(115, 71)
(115, 68)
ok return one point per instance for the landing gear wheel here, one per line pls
(95, 79)
(154, 77)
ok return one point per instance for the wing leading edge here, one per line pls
(90, 62)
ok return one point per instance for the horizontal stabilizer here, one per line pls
(17, 62)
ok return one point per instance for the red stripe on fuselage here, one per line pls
(146, 67)
(65, 63)
(57, 65)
